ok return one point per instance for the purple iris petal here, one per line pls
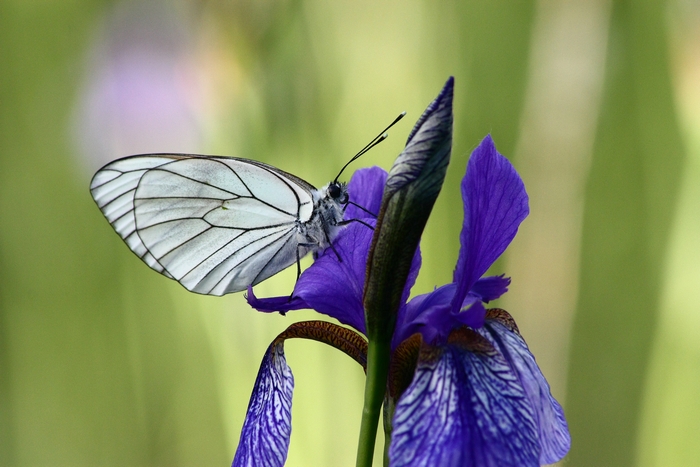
(330, 286)
(490, 288)
(464, 408)
(495, 203)
(268, 422)
(366, 188)
(335, 287)
(471, 313)
(275, 304)
(430, 314)
(553, 430)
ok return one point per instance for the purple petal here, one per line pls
(268, 422)
(366, 188)
(410, 282)
(334, 287)
(495, 203)
(430, 314)
(553, 429)
(274, 304)
(490, 288)
(472, 312)
(330, 286)
(464, 408)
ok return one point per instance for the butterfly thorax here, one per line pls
(325, 222)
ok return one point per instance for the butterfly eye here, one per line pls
(334, 190)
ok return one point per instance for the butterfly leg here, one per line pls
(299, 246)
(328, 241)
(346, 222)
(340, 260)
(359, 207)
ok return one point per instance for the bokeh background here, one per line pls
(597, 103)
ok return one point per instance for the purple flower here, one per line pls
(473, 394)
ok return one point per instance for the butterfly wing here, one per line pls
(214, 224)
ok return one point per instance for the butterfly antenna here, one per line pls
(375, 141)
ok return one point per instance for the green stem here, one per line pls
(375, 386)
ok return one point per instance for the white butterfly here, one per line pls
(216, 224)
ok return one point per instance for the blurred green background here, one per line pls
(597, 103)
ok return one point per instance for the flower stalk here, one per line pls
(378, 353)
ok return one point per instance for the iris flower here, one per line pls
(463, 388)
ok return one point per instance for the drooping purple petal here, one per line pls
(331, 286)
(366, 188)
(465, 407)
(275, 304)
(268, 423)
(502, 332)
(495, 203)
(334, 287)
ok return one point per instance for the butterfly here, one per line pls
(219, 224)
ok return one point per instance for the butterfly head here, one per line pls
(338, 191)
